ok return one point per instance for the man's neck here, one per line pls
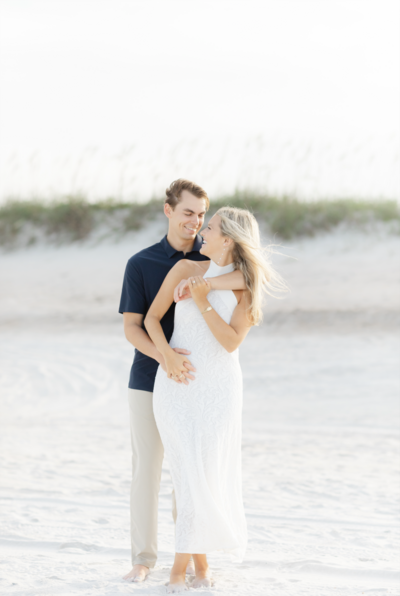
(177, 243)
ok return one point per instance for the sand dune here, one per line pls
(341, 272)
(320, 435)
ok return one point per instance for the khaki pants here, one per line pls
(147, 458)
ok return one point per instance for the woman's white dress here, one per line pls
(200, 427)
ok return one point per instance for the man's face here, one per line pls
(188, 216)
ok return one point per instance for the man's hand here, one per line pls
(178, 365)
(183, 290)
(187, 365)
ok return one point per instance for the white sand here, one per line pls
(320, 444)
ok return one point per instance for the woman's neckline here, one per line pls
(221, 270)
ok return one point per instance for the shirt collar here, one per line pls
(170, 250)
(167, 247)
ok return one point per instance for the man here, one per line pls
(185, 207)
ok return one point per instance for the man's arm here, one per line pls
(132, 305)
(228, 281)
(138, 337)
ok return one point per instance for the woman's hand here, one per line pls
(183, 289)
(199, 288)
(177, 366)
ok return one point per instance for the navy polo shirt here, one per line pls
(144, 275)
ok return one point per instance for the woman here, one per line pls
(200, 420)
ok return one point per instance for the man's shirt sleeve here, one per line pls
(133, 298)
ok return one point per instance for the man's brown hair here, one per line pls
(175, 190)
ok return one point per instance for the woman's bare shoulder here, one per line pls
(189, 268)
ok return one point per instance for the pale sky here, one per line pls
(114, 73)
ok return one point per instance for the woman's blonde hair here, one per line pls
(250, 258)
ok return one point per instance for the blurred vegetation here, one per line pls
(73, 218)
(288, 217)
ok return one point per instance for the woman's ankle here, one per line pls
(177, 574)
(178, 570)
(200, 564)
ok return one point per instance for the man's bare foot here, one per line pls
(138, 573)
(190, 570)
(176, 583)
(202, 579)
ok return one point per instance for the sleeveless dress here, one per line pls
(200, 426)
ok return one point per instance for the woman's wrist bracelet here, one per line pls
(207, 309)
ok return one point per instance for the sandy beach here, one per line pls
(320, 434)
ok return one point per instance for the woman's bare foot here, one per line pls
(178, 573)
(176, 583)
(138, 573)
(203, 574)
(202, 579)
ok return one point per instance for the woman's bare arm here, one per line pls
(229, 336)
(176, 364)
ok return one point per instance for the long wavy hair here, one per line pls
(251, 258)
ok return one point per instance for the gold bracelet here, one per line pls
(207, 309)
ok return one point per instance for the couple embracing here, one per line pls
(185, 388)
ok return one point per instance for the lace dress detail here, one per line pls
(200, 427)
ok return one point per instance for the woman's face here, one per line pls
(213, 240)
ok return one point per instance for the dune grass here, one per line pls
(288, 217)
(73, 218)
(69, 219)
